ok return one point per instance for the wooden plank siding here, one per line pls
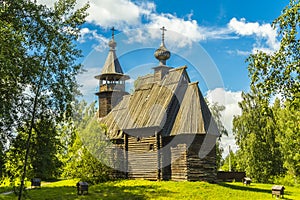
(187, 165)
(201, 169)
(179, 168)
(117, 159)
(142, 158)
(166, 161)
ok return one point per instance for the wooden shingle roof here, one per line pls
(146, 107)
(112, 69)
(112, 64)
(194, 116)
(171, 106)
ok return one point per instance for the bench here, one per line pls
(81, 187)
(278, 191)
(35, 182)
(247, 181)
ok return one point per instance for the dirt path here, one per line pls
(10, 192)
(6, 193)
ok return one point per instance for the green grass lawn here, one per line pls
(141, 189)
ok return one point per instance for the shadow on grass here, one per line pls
(140, 192)
(107, 191)
(245, 188)
(249, 188)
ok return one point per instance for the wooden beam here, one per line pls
(126, 154)
(158, 142)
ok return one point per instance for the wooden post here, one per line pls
(157, 135)
(229, 159)
(126, 155)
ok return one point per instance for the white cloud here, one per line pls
(88, 83)
(188, 28)
(181, 32)
(87, 34)
(126, 14)
(230, 100)
(108, 13)
(242, 53)
(238, 52)
(261, 32)
(83, 32)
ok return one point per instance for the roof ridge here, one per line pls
(194, 83)
(178, 68)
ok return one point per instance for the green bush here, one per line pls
(287, 180)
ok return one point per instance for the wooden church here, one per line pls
(164, 130)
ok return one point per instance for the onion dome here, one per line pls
(162, 53)
(112, 44)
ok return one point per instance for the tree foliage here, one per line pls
(44, 162)
(268, 134)
(230, 163)
(88, 157)
(287, 119)
(268, 137)
(255, 133)
(216, 110)
(279, 72)
(46, 82)
(12, 64)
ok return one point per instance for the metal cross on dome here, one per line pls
(113, 32)
(163, 34)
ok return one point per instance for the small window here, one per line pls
(151, 147)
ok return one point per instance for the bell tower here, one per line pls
(111, 81)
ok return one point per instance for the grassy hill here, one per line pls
(141, 189)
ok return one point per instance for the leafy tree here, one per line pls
(12, 68)
(43, 159)
(230, 162)
(287, 119)
(279, 72)
(255, 133)
(1, 160)
(49, 83)
(88, 158)
(216, 110)
(272, 74)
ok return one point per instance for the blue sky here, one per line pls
(213, 38)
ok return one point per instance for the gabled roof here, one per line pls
(147, 107)
(173, 106)
(194, 116)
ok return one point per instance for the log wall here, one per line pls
(117, 159)
(179, 168)
(185, 161)
(201, 169)
(142, 158)
(166, 163)
(104, 104)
